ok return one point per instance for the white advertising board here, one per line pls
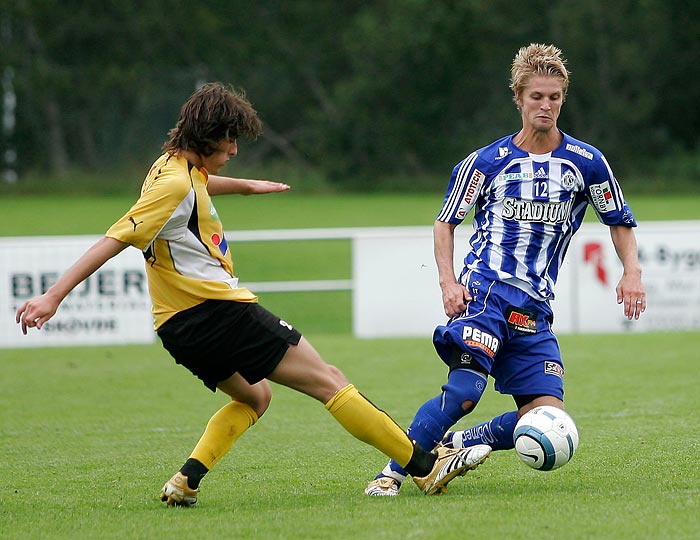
(111, 307)
(396, 292)
(394, 284)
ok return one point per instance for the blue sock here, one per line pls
(437, 415)
(497, 433)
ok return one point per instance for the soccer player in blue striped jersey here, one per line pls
(529, 192)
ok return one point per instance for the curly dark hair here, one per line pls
(214, 113)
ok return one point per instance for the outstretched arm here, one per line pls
(454, 295)
(225, 185)
(630, 290)
(37, 311)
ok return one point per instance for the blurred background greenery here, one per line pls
(356, 96)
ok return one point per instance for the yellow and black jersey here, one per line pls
(175, 225)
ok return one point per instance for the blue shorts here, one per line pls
(506, 333)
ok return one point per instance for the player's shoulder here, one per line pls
(490, 156)
(578, 150)
(169, 174)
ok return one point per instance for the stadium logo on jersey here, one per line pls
(568, 180)
(576, 149)
(602, 197)
(474, 337)
(541, 173)
(521, 320)
(552, 368)
(538, 211)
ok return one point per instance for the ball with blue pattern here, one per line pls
(545, 438)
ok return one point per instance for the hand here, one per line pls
(35, 312)
(258, 187)
(454, 298)
(630, 293)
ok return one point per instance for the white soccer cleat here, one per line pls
(450, 463)
(176, 492)
(384, 486)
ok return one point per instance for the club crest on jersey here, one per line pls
(474, 337)
(552, 368)
(568, 180)
(521, 320)
(602, 197)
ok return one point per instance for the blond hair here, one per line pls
(537, 60)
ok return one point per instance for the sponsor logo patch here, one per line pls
(602, 197)
(471, 193)
(513, 177)
(521, 320)
(545, 212)
(552, 368)
(474, 337)
(576, 149)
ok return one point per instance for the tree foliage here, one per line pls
(355, 90)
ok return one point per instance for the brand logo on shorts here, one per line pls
(474, 337)
(521, 320)
(286, 325)
(552, 368)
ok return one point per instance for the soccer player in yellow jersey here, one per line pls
(215, 328)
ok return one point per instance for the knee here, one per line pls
(468, 406)
(260, 400)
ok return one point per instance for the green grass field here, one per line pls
(88, 435)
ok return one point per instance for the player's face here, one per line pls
(540, 103)
(226, 150)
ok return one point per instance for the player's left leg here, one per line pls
(248, 404)
(529, 368)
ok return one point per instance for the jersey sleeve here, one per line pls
(604, 194)
(463, 190)
(160, 197)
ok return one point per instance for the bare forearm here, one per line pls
(225, 185)
(443, 246)
(98, 254)
(625, 243)
(38, 310)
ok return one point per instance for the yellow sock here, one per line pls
(364, 421)
(222, 430)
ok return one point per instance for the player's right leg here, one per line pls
(303, 369)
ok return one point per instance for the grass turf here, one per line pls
(90, 434)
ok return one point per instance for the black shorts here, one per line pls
(218, 338)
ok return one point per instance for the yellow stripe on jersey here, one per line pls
(175, 225)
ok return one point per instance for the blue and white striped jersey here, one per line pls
(527, 207)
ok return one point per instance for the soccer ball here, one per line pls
(545, 438)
